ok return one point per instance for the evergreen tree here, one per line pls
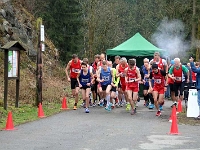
(62, 23)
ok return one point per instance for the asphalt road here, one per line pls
(101, 130)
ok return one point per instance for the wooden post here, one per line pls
(18, 82)
(198, 44)
(39, 65)
(193, 22)
(5, 79)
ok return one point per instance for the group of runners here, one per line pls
(115, 84)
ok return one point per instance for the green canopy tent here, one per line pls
(135, 46)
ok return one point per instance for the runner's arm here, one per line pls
(67, 69)
(170, 72)
(98, 65)
(138, 74)
(98, 75)
(117, 72)
(78, 75)
(150, 78)
(194, 69)
(165, 65)
(92, 78)
(151, 62)
(125, 73)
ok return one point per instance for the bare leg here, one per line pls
(83, 93)
(87, 92)
(108, 94)
(155, 97)
(76, 94)
(112, 96)
(160, 98)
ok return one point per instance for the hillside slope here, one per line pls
(16, 23)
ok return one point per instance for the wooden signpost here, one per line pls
(12, 68)
(39, 69)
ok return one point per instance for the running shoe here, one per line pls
(117, 105)
(146, 103)
(108, 107)
(87, 110)
(151, 106)
(197, 118)
(121, 104)
(91, 104)
(104, 103)
(158, 113)
(83, 104)
(138, 99)
(128, 107)
(101, 103)
(174, 104)
(75, 107)
(112, 106)
(94, 104)
(133, 112)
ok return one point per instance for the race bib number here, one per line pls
(75, 70)
(178, 79)
(131, 79)
(106, 78)
(158, 81)
(122, 75)
(85, 80)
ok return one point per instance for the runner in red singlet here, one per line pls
(122, 85)
(102, 58)
(94, 85)
(132, 76)
(176, 73)
(158, 76)
(162, 64)
(74, 67)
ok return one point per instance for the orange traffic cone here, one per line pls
(40, 111)
(179, 106)
(174, 126)
(64, 103)
(9, 123)
(172, 113)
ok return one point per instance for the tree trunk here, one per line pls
(193, 24)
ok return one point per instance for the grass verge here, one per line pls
(27, 113)
(183, 119)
